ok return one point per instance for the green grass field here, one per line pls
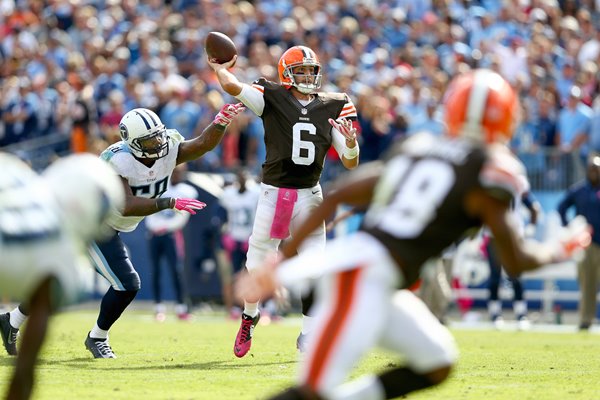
(178, 360)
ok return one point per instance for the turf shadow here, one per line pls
(115, 365)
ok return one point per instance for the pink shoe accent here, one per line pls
(185, 316)
(286, 199)
(228, 243)
(243, 340)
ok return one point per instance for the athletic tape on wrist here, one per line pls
(351, 153)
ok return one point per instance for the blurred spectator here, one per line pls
(595, 126)
(179, 112)
(375, 119)
(584, 198)
(432, 122)
(18, 115)
(573, 131)
(404, 51)
(44, 104)
(109, 122)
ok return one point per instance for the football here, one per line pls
(220, 47)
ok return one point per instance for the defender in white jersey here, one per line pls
(46, 224)
(301, 125)
(144, 160)
(426, 194)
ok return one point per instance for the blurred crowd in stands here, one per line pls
(69, 69)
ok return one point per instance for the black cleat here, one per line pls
(9, 334)
(99, 347)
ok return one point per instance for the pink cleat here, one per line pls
(185, 316)
(243, 340)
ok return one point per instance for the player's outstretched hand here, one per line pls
(226, 65)
(345, 127)
(574, 239)
(228, 113)
(188, 205)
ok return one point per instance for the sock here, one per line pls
(181, 309)
(297, 393)
(112, 306)
(400, 381)
(251, 309)
(520, 308)
(17, 318)
(307, 300)
(307, 324)
(495, 307)
(365, 388)
(97, 333)
(160, 308)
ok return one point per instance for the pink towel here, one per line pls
(286, 198)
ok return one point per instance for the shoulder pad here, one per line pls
(113, 149)
(333, 96)
(264, 82)
(175, 137)
(502, 171)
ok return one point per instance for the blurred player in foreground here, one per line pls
(425, 194)
(46, 224)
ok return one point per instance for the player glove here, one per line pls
(188, 205)
(227, 114)
(345, 126)
(574, 239)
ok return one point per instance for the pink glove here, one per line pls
(228, 113)
(189, 205)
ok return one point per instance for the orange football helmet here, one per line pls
(298, 56)
(482, 105)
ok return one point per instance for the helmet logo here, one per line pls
(124, 131)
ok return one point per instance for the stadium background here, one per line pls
(70, 69)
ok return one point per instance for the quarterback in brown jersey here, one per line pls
(426, 193)
(300, 125)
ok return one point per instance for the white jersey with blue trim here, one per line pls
(241, 209)
(167, 221)
(34, 242)
(148, 182)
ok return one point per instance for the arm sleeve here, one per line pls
(339, 142)
(253, 97)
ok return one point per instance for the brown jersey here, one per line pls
(418, 205)
(297, 137)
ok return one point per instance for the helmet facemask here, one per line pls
(305, 83)
(154, 145)
(144, 134)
